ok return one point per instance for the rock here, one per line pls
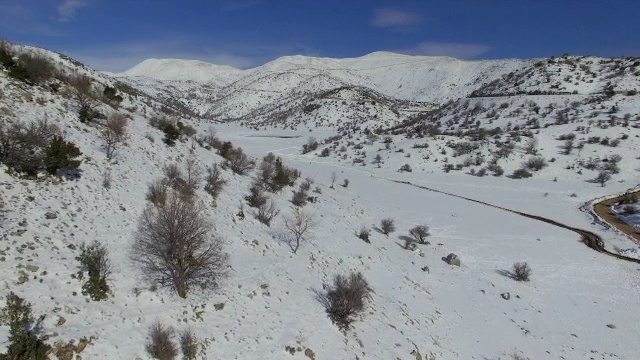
(23, 278)
(218, 306)
(32, 268)
(611, 326)
(310, 354)
(50, 215)
(61, 321)
(81, 345)
(452, 259)
(506, 295)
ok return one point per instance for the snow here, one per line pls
(450, 312)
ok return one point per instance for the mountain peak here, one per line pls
(180, 69)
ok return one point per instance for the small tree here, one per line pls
(24, 331)
(603, 177)
(298, 226)
(175, 248)
(161, 345)
(345, 183)
(521, 271)
(420, 233)
(387, 226)
(114, 133)
(95, 259)
(345, 298)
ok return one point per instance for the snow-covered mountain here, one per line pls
(184, 70)
(224, 94)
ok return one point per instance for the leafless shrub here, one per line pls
(387, 226)
(306, 184)
(345, 183)
(175, 247)
(161, 345)
(535, 163)
(157, 192)
(39, 67)
(521, 271)
(298, 226)
(239, 162)
(299, 198)
(419, 233)
(267, 212)
(150, 137)
(214, 181)
(172, 173)
(188, 344)
(114, 133)
(106, 180)
(345, 298)
(364, 234)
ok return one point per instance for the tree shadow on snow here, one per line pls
(506, 273)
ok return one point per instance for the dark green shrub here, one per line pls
(95, 259)
(60, 154)
(520, 174)
(24, 340)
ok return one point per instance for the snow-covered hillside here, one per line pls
(579, 304)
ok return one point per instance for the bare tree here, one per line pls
(387, 226)
(175, 247)
(603, 177)
(298, 226)
(83, 89)
(531, 146)
(334, 177)
(266, 212)
(192, 176)
(114, 133)
(419, 233)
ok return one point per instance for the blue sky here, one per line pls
(114, 35)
